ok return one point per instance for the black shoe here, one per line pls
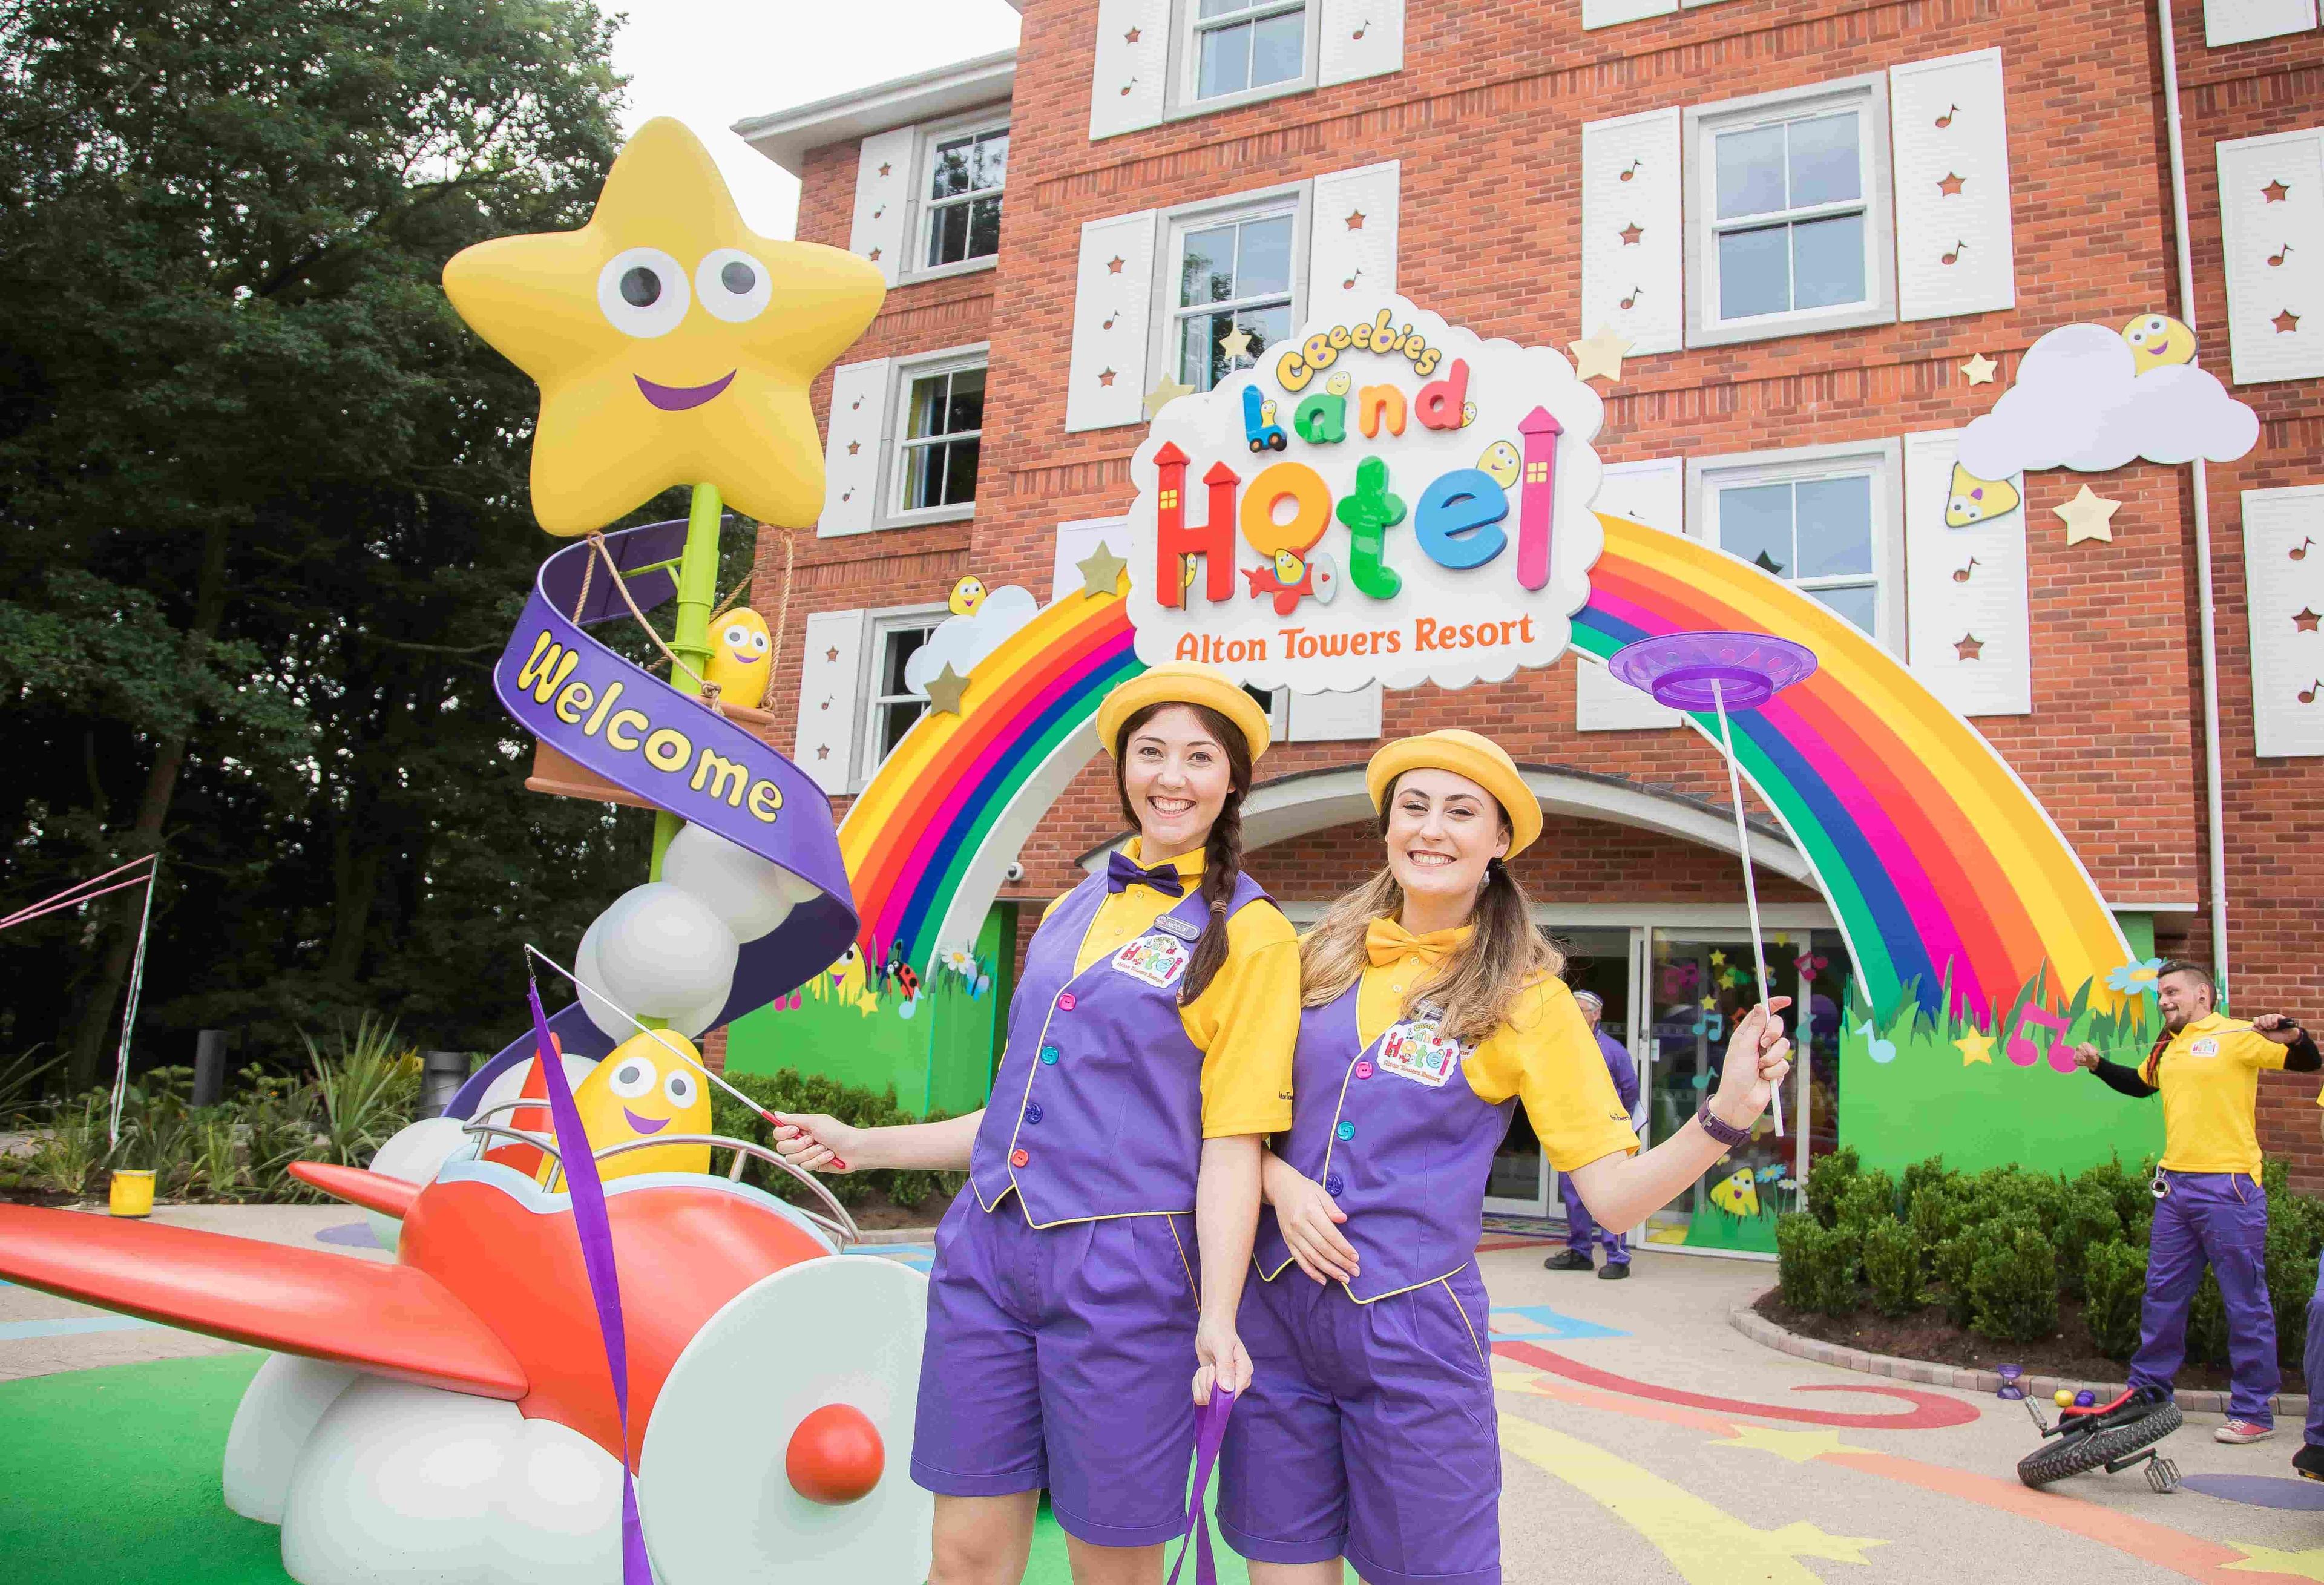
(2309, 1462)
(1614, 1271)
(1572, 1260)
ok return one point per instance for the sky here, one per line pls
(712, 62)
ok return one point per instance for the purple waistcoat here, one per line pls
(1395, 1134)
(1097, 1109)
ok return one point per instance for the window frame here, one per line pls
(1867, 95)
(903, 374)
(1884, 459)
(1296, 198)
(869, 702)
(1180, 102)
(921, 208)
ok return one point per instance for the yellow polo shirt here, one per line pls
(1245, 1022)
(2209, 1075)
(1543, 1054)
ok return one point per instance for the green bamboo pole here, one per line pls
(698, 591)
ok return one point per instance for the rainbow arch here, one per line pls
(1949, 882)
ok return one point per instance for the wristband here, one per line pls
(1719, 1127)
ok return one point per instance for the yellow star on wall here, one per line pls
(945, 690)
(1601, 356)
(2089, 516)
(672, 344)
(1236, 343)
(1980, 370)
(1166, 391)
(1717, 960)
(1100, 570)
(1976, 1048)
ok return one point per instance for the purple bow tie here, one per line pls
(1122, 870)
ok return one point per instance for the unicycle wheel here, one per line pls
(2078, 1455)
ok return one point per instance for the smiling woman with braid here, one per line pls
(1149, 1050)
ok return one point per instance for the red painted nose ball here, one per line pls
(835, 1456)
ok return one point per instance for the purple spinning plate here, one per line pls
(1679, 668)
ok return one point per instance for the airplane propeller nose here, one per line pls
(835, 1456)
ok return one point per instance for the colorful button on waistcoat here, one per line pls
(1064, 1001)
(1050, 1055)
(1334, 1183)
(1363, 1070)
(1017, 1158)
(1346, 1130)
(1033, 1112)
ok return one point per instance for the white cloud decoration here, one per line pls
(963, 640)
(2079, 403)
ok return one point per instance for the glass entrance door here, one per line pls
(1522, 1181)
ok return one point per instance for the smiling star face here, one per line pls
(966, 595)
(672, 344)
(2156, 340)
(645, 1087)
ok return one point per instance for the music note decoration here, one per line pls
(2275, 259)
(1631, 171)
(2025, 1054)
(1953, 257)
(2300, 551)
(2307, 694)
(1946, 120)
(1962, 575)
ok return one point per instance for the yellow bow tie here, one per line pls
(1387, 942)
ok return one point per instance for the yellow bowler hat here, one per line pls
(1182, 682)
(1464, 753)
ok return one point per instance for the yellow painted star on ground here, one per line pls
(1976, 1048)
(1980, 370)
(2089, 516)
(1100, 570)
(1800, 1447)
(1166, 391)
(1601, 356)
(672, 344)
(2266, 1559)
(945, 690)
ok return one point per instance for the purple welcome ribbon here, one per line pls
(1212, 1433)
(595, 1231)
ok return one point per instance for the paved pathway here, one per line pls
(1644, 1439)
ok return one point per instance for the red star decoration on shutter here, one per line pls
(1113, 265)
(884, 168)
(1356, 221)
(822, 750)
(853, 446)
(1971, 647)
(2286, 322)
(1105, 377)
(873, 255)
(1130, 37)
(1951, 186)
(1631, 233)
(2306, 619)
(2276, 192)
(832, 653)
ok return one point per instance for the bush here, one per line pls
(1920, 1174)
(1892, 1266)
(787, 1091)
(1869, 1198)
(2114, 1278)
(2014, 1287)
(2295, 1232)
(1816, 1266)
(2089, 1219)
(2134, 1204)
(1828, 1181)
(1936, 1211)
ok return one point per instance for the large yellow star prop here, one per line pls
(672, 344)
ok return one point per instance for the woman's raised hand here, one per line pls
(1310, 1220)
(816, 1142)
(1757, 1058)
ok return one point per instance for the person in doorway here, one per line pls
(1149, 1053)
(2209, 1207)
(1432, 1006)
(1579, 1231)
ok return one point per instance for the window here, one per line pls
(1827, 519)
(1788, 215)
(936, 451)
(1242, 45)
(966, 172)
(894, 635)
(1233, 290)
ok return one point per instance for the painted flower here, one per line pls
(2136, 977)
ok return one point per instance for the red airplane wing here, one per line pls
(373, 1191)
(394, 1321)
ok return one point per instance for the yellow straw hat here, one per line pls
(1182, 682)
(1464, 753)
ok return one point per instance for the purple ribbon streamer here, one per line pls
(1210, 1434)
(595, 1231)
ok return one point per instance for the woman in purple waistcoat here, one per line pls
(1098, 1257)
(1432, 1006)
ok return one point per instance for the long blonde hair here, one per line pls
(1475, 987)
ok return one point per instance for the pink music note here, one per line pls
(1679, 979)
(2025, 1054)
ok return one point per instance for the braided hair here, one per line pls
(1221, 850)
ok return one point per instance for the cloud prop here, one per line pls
(963, 640)
(2078, 403)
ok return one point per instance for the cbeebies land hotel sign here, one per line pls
(1386, 497)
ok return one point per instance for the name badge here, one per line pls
(1414, 1050)
(2206, 1046)
(1177, 927)
(1157, 960)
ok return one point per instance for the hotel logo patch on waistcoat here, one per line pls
(1157, 960)
(1413, 1050)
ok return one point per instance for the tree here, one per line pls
(263, 500)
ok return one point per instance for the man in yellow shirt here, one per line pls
(2209, 1208)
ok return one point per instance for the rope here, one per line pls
(129, 1014)
(78, 893)
(782, 612)
(588, 571)
(597, 543)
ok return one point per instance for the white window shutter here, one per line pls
(883, 200)
(1130, 68)
(1599, 14)
(1950, 147)
(1113, 288)
(854, 447)
(1318, 718)
(2272, 222)
(1632, 239)
(1361, 38)
(1076, 543)
(828, 706)
(2283, 584)
(2238, 22)
(1654, 493)
(1967, 633)
(1351, 236)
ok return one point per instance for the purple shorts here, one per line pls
(1368, 1433)
(1062, 1358)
